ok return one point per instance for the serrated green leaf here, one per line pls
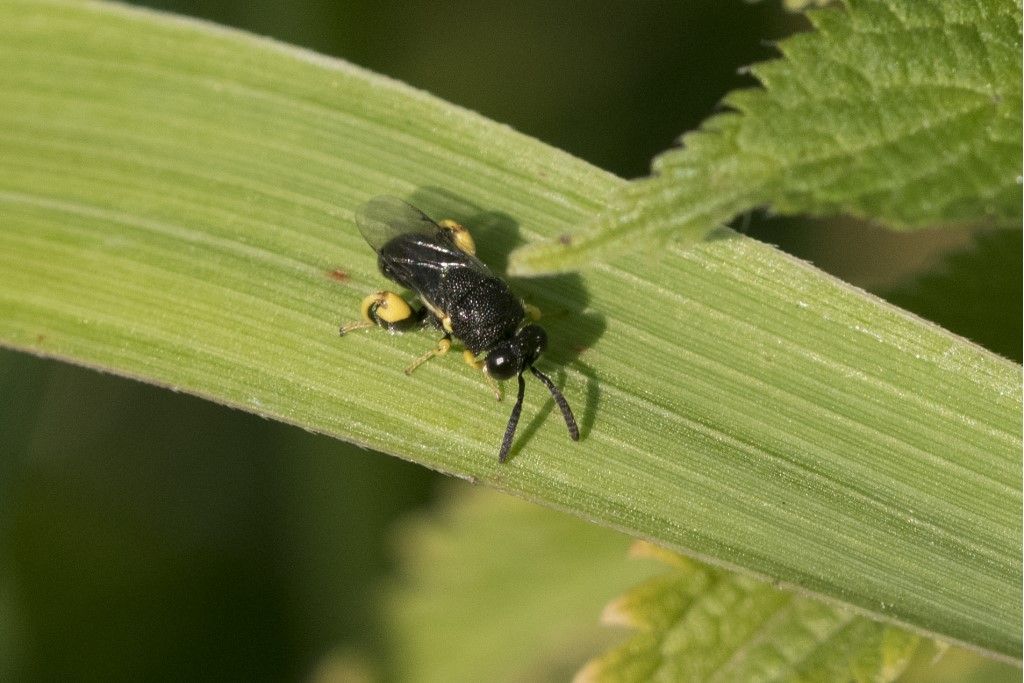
(495, 589)
(906, 113)
(175, 206)
(703, 624)
(800, 5)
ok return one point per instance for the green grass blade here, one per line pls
(175, 206)
(903, 113)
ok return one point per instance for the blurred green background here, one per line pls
(149, 535)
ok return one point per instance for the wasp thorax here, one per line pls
(511, 357)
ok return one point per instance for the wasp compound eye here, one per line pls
(503, 362)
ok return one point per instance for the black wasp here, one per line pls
(460, 296)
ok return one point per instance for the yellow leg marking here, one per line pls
(475, 362)
(463, 240)
(388, 306)
(446, 320)
(444, 344)
(532, 311)
(368, 302)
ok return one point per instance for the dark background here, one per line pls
(151, 535)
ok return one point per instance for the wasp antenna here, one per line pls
(563, 405)
(513, 421)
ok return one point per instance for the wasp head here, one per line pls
(512, 356)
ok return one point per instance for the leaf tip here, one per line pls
(617, 613)
(590, 673)
(544, 258)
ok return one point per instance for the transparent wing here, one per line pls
(424, 245)
(383, 218)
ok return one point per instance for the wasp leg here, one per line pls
(475, 362)
(460, 235)
(357, 325)
(388, 310)
(532, 311)
(444, 344)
